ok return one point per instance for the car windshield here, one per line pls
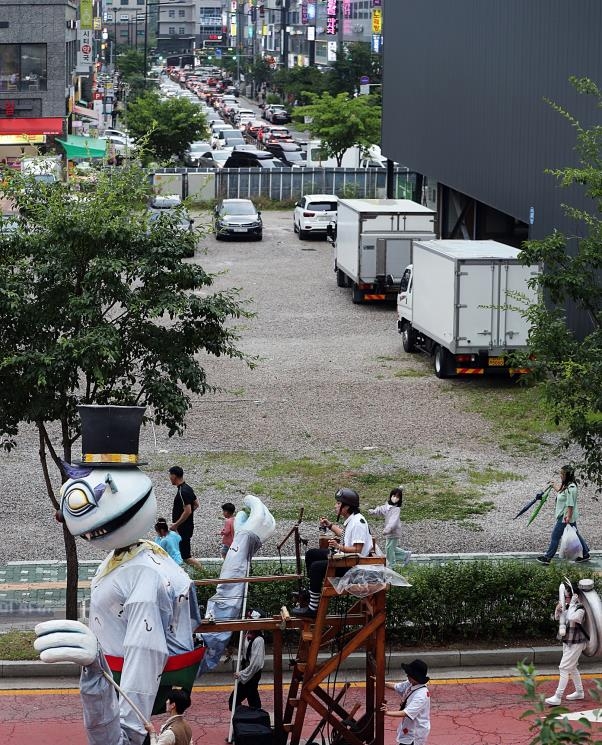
(322, 206)
(238, 208)
(221, 155)
(295, 155)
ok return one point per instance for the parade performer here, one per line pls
(570, 612)
(143, 608)
(415, 708)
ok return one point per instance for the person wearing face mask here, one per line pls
(391, 512)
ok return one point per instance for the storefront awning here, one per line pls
(25, 126)
(77, 146)
(87, 113)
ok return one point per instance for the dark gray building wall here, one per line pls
(41, 22)
(464, 89)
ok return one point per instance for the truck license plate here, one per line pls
(496, 362)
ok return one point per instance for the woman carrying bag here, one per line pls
(566, 513)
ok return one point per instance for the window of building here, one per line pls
(181, 30)
(172, 30)
(171, 13)
(140, 2)
(22, 67)
(181, 13)
(124, 33)
(125, 2)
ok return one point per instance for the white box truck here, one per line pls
(456, 304)
(372, 243)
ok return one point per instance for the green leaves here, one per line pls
(167, 127)
(341, 122)
(97, 306)
(570, 368)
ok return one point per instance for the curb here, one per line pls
(454, 658)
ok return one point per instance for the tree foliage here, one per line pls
(167, 127)
(341, 122)
(295, 83)
(97, 307)
(356, 61)
(568, 367)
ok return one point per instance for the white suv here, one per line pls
(313, 212)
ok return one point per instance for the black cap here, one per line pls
(417, 670)
(110, 435)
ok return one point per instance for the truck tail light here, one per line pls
(465, 357)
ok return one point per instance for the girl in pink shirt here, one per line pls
(227, 532)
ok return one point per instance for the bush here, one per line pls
(484, 601)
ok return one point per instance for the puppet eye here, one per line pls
(78, 500)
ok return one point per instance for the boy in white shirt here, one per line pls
(415, 709)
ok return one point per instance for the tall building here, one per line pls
(125, 22)
(38, 54)
(176, 25)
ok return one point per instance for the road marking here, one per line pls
(266, 687)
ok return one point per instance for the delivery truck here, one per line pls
(372, 240)
(459, 301)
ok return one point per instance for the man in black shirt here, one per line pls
(181, 515)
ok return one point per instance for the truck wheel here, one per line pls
(358, 295)
(441, 362)
(408, 337)
(341, 278)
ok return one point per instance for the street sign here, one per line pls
(364, 80)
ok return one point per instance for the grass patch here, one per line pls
(292, 483)
(491, 476)
(518, 413)
(410, 372)
(17, 645)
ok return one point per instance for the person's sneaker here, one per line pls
(582, 559)
(543, 559)
(305, 612)
(554, 700)
(575, 696)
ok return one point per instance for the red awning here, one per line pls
(47, 125)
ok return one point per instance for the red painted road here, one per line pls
(464, 712)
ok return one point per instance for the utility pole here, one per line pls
(284, 33)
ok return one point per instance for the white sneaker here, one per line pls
(575, 696)
(554, 700)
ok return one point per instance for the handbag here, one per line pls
(570, 545)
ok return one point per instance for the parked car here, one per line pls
(313, 213)
(170, 206)
(289, 153)
(250, 159)
(194, 152)
(217, 157)
(237, 217)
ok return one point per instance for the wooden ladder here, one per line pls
(306, 689)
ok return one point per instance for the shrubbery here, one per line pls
(484, 601)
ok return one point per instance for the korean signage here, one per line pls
(304, 16)
(377, 41)
(86, 14)
(377, 21)
(332, 18)
(85, 55)
(331, 53)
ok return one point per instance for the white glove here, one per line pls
(65, 641)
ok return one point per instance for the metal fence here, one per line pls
(282, 184)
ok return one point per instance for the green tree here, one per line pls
(97, 306)
(357, 60)
(570, 368)
(341, 122)
(261, 72)
(295, 82)
(130, 62)
(167, 127)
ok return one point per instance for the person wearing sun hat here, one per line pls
(415, 708)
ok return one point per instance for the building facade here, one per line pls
(38, 53)
(467, 87)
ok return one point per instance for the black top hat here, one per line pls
(417, 670)
(110, 435)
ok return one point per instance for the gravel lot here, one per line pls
(325, 382)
